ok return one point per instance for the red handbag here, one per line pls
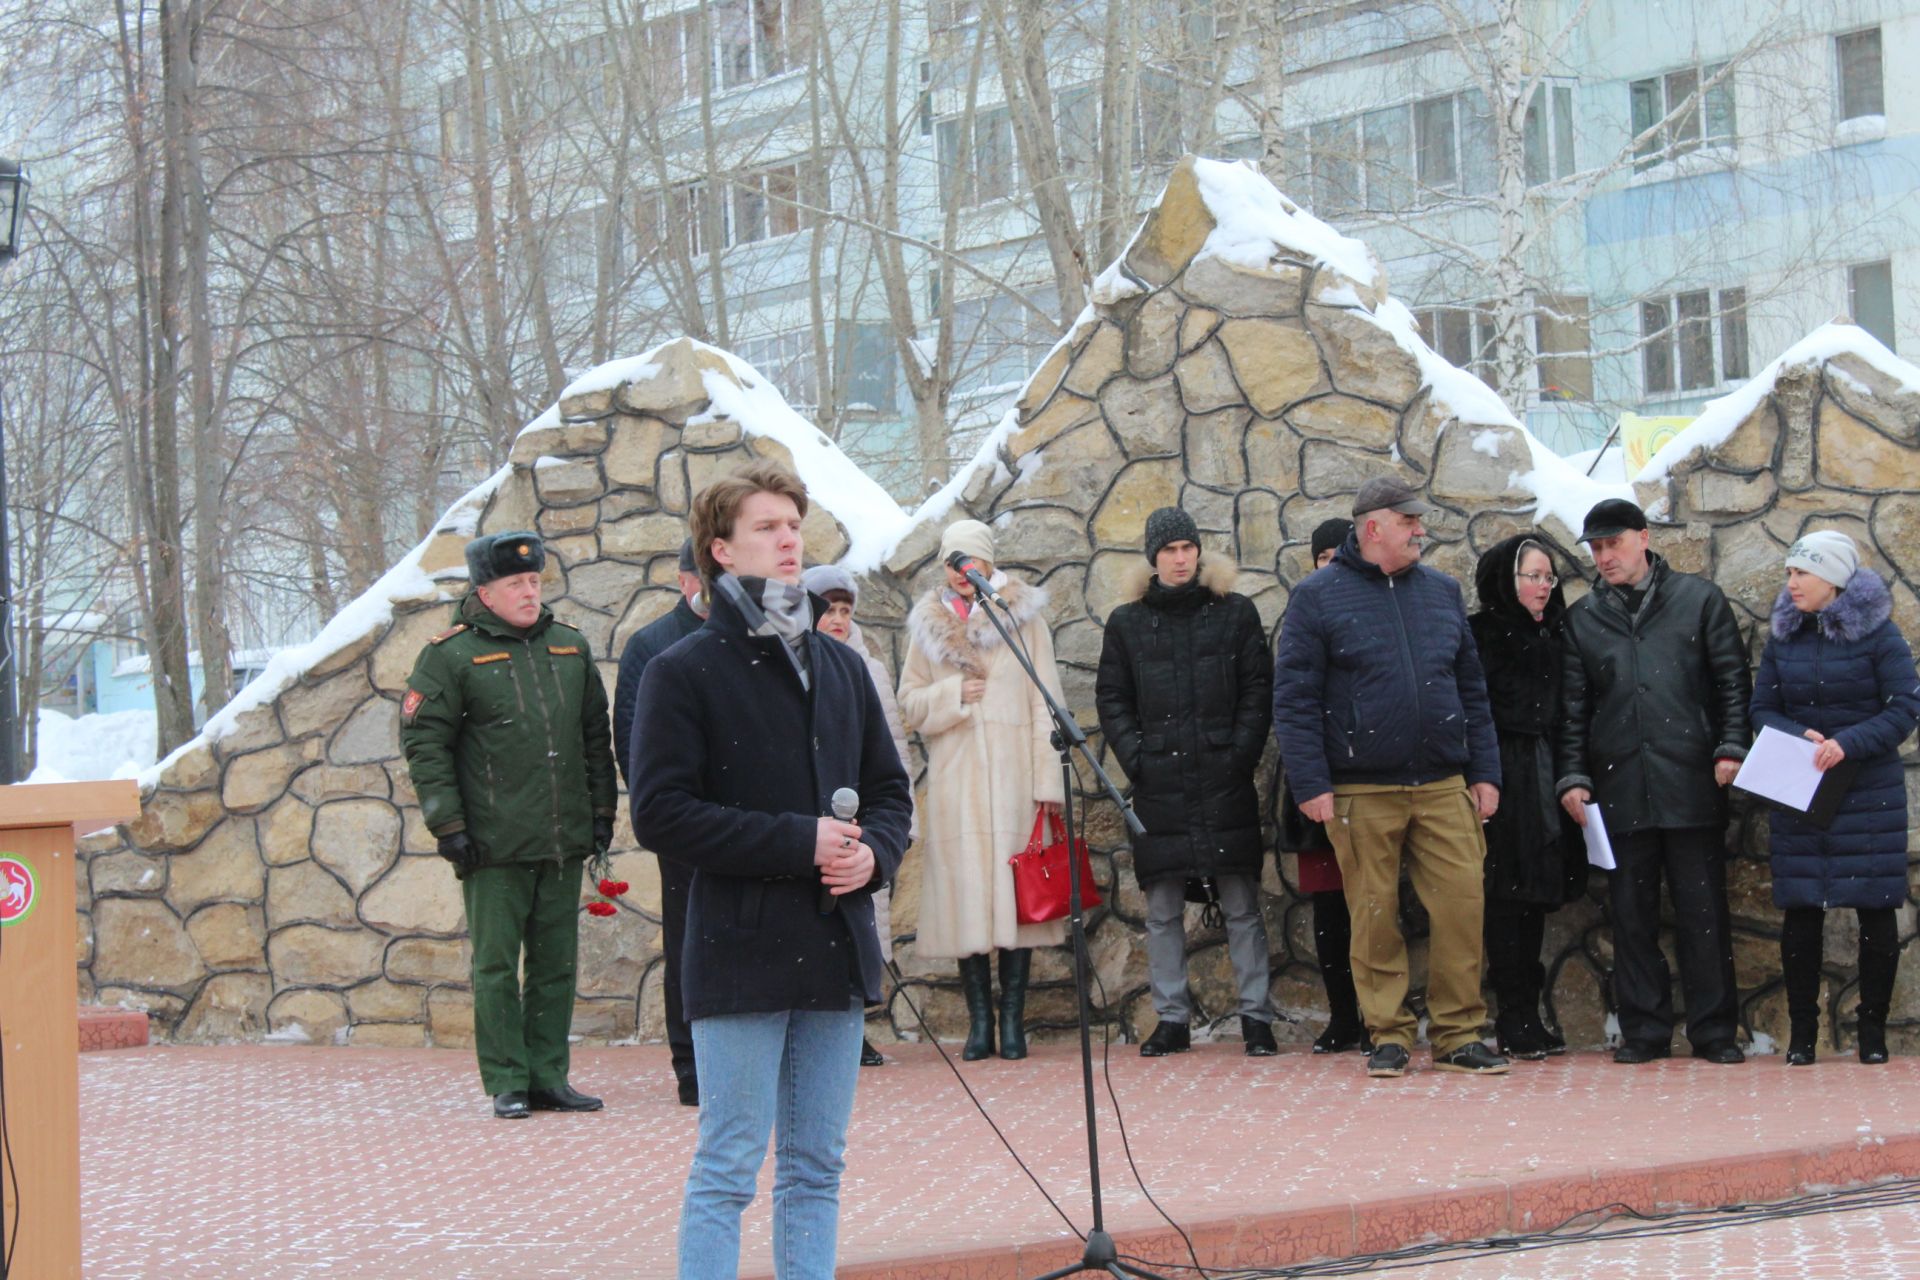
(1040, 872)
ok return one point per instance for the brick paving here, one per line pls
(298, 1161)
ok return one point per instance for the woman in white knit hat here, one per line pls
(989, 763)
(1836, 670)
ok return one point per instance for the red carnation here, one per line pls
(601, 908)
(613, 888)
(620, 887)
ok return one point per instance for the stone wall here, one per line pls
(279, 881)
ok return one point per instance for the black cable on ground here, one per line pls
(900, 989)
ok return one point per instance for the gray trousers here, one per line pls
(1246, 947)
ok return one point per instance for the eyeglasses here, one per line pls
(1540, 579)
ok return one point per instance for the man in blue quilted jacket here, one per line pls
(1381, 711)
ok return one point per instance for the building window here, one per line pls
(1870, 299)
(1157, 133)
(926, 99)
(999, 339)
(1077, 122)
(1690, 344)
(1386, 142)
(992, 155)
(1433, 141)
(1336, 176)
(1689, 124)
(757, 39)
(1862, 91)
(1562, 337)
(1547, 134)
(1463, 336)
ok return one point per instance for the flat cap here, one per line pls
(1389, 493)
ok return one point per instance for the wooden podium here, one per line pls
(40, 1014)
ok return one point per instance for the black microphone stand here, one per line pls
(1068, 737)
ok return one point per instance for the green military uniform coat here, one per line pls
(506, 738)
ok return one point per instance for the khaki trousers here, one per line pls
(1439, 828)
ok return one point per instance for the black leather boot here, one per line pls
(1877, 970)
(1800, 946)
(1015, 964)
(976, 984)
(1332, 943)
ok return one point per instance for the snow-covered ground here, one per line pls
(93, 748)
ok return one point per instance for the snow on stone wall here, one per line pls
(1241, 359)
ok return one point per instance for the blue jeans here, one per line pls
(790, 1074)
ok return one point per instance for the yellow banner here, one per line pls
(1643, 437)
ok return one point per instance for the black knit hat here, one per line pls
(501, 555)
(1330, 534)
(687, 563)
(1170, 524)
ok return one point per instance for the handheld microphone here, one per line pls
(963, 564)
(846, 803)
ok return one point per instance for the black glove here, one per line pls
(457, 849)
(602, 834)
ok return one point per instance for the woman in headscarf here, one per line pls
(990, 762)
(1536, 859)
(1837, 671)
(842, 593)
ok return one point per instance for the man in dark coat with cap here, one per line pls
(1184, 691)
(688, 615)
(504, 728)
(1654, 688)
(1385, 731)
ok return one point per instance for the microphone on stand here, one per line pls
(846, 803)
(964, 565)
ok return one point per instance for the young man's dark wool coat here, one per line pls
(1185, 695)
(736, 762)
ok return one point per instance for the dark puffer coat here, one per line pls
(1847, 672)
(1185, 696)
(1651, 700)
(1534, 851)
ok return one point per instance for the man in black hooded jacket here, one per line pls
(1185, 695)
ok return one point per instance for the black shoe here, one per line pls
(1473, 1059)
(1635, 1052)
(1872, 1036)
(1340, 1037)
(1168, 1037)
(1802, 1038)
(1388, 1061)
(690, 1092)
(1724, 1052)
(511, 1105)
(1555, 1044)
(870, 1056)
(1522, 1038)
(565, 1098)
(1257, 1037)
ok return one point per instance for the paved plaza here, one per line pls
(274, 1162)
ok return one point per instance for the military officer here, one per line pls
(504, 726)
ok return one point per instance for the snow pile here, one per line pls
(873, 520)
(1562, 488)
(93, 748)
(1254, 223)
(1721, 417)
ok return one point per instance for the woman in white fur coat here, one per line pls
(989, 764)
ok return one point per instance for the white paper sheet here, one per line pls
(1599, 848)
(1780, 768)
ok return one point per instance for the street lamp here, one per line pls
(13, 206)
(13, 221)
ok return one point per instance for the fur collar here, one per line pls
(1217, 574)
(937, 631)
(1854, 613)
